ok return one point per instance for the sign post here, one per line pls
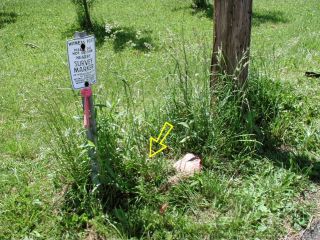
(82, 65)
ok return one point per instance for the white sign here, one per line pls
(82, 61)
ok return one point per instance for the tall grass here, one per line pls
(239, 121)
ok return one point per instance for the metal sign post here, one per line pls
(82, 65)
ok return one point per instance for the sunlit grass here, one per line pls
(43, 167)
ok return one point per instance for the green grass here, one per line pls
(245, 191)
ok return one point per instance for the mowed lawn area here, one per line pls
(140, 45)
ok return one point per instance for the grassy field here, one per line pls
(146, 52)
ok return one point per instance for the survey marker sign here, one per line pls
(82, 61)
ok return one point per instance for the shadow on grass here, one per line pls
(259, 18)
(7, 18)
(208, 11)
(98, 30)
(121, 37)
(299, 162)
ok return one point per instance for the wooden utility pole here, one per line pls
(232, 27)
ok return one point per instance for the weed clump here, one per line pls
(237, 126)
(238, 121)
(228, 133)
